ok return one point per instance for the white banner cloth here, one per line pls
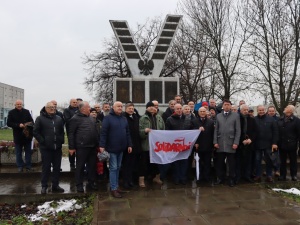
(167, 146)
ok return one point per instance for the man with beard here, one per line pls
(49, 132)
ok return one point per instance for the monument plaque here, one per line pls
(122, 90)
(156, 91)
(138, 91)
(170, 90)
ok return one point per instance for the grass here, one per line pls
(286, 185)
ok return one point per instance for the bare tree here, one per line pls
(274, 49)
(221, 23)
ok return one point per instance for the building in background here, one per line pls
(8, 95)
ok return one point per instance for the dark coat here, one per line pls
(175, 122)
(82, 132)
(115, 135)
(133, 123)
(49, 131)
(250, 132)
(289, 133)
(206, 137)
(167, 114)
(227, 131)
(68, 114)
(14, 119)
(267, 132)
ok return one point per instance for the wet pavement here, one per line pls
(191, 204)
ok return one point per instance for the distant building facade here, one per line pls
(8, 95)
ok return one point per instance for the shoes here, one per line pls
(20, 169)
(57, 189)
(231, 183)
(281, 178)
(92, 186)
(121, 191)
(269, 180)
(80, 189)
(218, 182)
(29, 170)
(277, 174)
(116, 194)
(294, 178)
(257, 179)
(157, 179)
(44, 191)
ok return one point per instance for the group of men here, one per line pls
(231, 136)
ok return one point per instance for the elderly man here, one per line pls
(58, 113)
(105, 111)
(177, 99)
(266, 142)
(20, 120)
(115, 139)
(289, 136)
(83, 139)
(245, 149)
(177, 121)
(169, 111)
(158, 111)
(68, 114)
(49, 132)
(204, 144)
(212, 103)
(226, 140)
(191, 104)
(98, 108)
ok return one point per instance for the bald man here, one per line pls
(19, 119)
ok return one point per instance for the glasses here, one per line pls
(51, 107)
(97, 107)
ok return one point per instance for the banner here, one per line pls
(167, 146)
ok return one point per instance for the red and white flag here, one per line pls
(167, 146)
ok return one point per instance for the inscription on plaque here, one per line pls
(138, 91)
(170, 90)
(122, 91)
(156, 91)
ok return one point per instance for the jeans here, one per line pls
(27, 150)
(115, 161)
(180, 170)
(258, 157)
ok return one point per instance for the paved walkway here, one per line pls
(163, 205)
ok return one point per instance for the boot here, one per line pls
(157, 179)
(142, 181)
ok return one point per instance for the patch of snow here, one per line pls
(46, 209)
(23, 206)
(294, 191)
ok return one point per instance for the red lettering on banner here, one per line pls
(173, 147)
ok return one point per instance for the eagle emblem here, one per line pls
(146, 66)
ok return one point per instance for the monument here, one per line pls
(145, 84)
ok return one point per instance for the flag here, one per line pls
(167, 146)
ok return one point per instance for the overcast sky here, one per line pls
(42, 42)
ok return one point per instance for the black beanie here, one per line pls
(149, 104)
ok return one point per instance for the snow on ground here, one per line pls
(52, 208)
(294, 191)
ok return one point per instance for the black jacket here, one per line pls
(175, 122)
(68, 114)
(289, 133)
(133, 123)
(267, 132)
(206, 137)
(167, 114)
(83, 132)
(14, 119)
(49, 131)
(251, 131)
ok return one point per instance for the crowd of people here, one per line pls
(231, 138)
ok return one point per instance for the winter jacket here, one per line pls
(49, 131)
(206, 137)
(267, 132)
(133, 123)
(14, 119)
(82, 132)
(289, 133)
(227, 131)
(68, 114)
(176, 122)
(167, 114)
(115, 135)
(154, 122)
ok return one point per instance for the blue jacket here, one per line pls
(115, 136)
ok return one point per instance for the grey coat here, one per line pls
(227, 131)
